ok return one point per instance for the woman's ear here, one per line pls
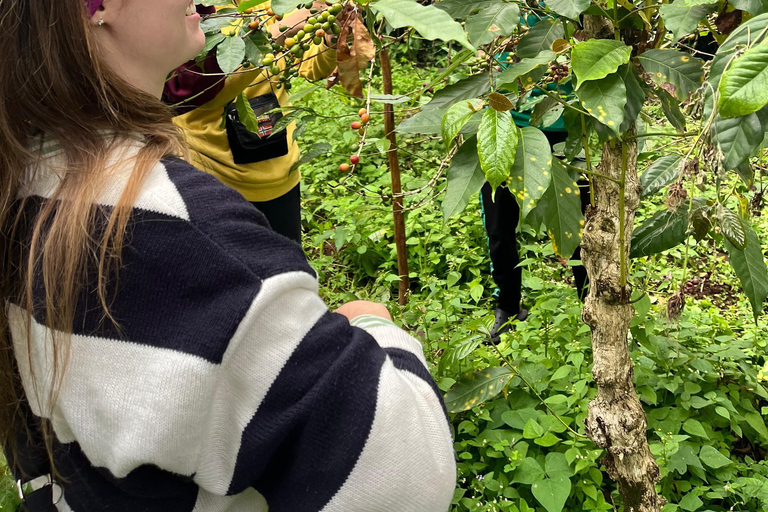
(107, 12)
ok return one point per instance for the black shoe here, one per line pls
(501, 322)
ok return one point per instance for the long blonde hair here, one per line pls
(52, 83)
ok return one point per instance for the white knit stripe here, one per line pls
(158, 193)
(391, 336)
(409, 452)
(247, 501)
(285, 310)
(126, 404)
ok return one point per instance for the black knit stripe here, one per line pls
(234, 224)
(304, 451)
(147, 488)
(407, 361)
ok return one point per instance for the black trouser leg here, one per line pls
(284, 213)
(501, 218)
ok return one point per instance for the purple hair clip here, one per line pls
(93, 6)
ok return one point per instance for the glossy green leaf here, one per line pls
(496, 146)
(744, 86)
(513, 72)
(605, 99)
(460, 9)
(757, 422)
(661, 232)
(597, 58)
(492, 21)
(690, 502)
(682, 18)
(671, 108)
(283, 6)
(749, 265)
(476, 388)
(429, 21)
(456, 117)
(563, 216)
(732, 227)
(635, 95)
(674, 71)
(749, 33)
(661, 173)
(528, 472)
(751, 6)
(465, 179)
(230, 54)
(466, 89)
(695, 428)
(426, 121)
(738, 138)
(246, 114)
(556, 465)
(539, 38)
(552, 493)
(569, 8)
(713, 458)
(530, 176)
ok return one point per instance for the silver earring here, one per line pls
(101, 21)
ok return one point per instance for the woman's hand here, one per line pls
(363, 307)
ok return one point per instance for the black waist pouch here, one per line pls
(248, 147)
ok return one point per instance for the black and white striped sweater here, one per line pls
(229, 386)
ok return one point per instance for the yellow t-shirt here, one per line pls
(207, 139)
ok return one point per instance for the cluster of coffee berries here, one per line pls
(365, 118)
(558, 71)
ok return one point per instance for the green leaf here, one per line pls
(732, 227)
(552, 493)
(492, 21)
(597, 58)
(252, 51)
(738, 138)
(426, 121)
(605, 100)
(661, 232)
(690, 502)
(569, 8)
(713, 458)
(465, 179)
(283, 6)
(460, 9)
(525, 66)
(749, 265)
(540, 38)
(635, 95)
(695, 428)
(496, 146)
(661, 173)
(745, 35)
(743, 87)
(476, 388)
(467, 89)
(758, 423)
(556, 465)
(230, 54)
(310, 153)
(246, 114)
(671, 108)
(429, 21)
(530, 176)
(674, 71)
(563, 216)
(532, 429)
(751, 6)
(682, 18)
(456, 117)
(528, 472)
(547, 440)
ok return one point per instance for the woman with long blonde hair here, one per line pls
(161, 349)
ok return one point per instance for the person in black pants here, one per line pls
(500, 220)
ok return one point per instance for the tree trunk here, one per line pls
(394, 171)
(616, 421)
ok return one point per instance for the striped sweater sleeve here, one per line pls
(313, 412)
(227, 384)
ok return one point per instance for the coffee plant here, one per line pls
(601, 66)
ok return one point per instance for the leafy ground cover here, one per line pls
(702, 377)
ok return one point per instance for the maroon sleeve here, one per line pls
(185, 83)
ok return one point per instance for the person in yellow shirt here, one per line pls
(256, 165)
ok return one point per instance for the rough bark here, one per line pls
(616, 421)
(394, 171)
